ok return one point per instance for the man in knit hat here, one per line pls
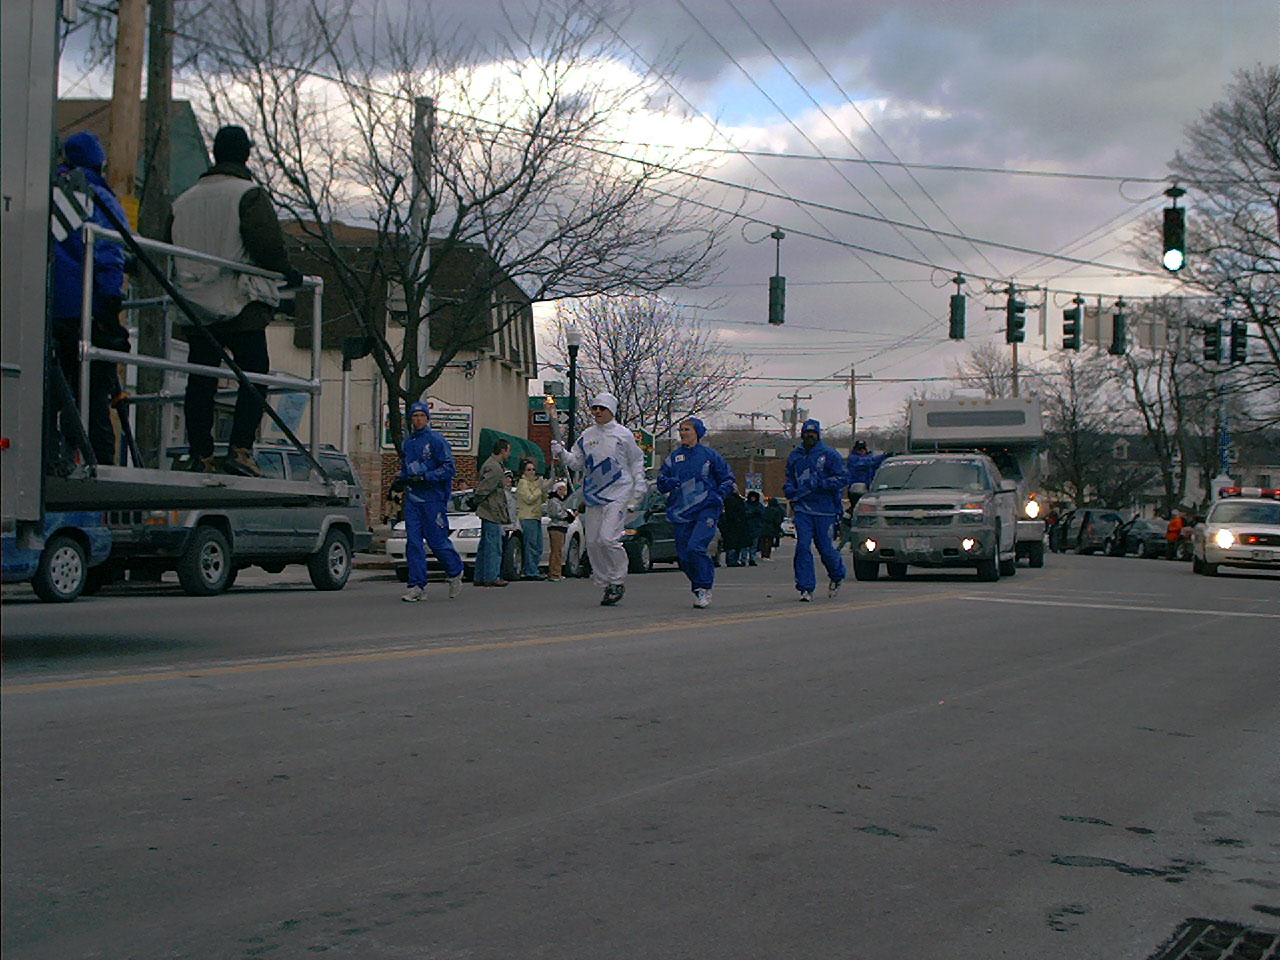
(426, 477)
(225, 213)
(612, 468)
(815, 483)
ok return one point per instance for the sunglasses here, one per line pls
(594, 409)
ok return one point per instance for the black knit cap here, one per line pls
(231, 145)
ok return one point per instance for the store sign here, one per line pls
(455, 423)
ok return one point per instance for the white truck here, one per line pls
(1009, 430)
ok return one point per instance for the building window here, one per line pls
(1264, 480)
(1120, 450)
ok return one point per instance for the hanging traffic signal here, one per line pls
(1175, 232)
(1239, 341)
(957, 316)
(777, 300)
(1213, 343)
(1119, 331)
(1015, 318)
(1073, 325)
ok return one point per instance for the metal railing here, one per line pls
(88, 352)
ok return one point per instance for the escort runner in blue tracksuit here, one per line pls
(696, 480)
(861, 466)
(426, 477)
(815, 485)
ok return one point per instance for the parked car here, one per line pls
(1142, 538)
(1086, 530)
(464, 534)
(59, 564)
(208, 548)
(649, 537)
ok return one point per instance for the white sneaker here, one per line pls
(833, 589)
(701, 598)
(806, 596)
(413, 596)
(455, 587)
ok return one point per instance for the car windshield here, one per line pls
(1149, 526)
(458, 502)
(1267, 513)
(931, 474)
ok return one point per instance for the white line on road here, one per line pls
(1120, 606)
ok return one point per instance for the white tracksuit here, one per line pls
(612, 466)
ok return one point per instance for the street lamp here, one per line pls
(573, 340)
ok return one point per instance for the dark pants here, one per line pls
(249, 349)
(106, 332)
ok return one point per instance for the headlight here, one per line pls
(869, 546)
(468, 533)
(1225, 539)
(1032, 509)
(968, 543)
(971, 513)
(628, 533)
(865, 508)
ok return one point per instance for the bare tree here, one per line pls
(1231, 168)
(1078, 417)
(661, 365)
(511, 190)
(988, 367)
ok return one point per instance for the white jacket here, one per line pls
(207, 218)
(611, 462)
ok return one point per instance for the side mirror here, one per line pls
(857, 488)
(1008, 486)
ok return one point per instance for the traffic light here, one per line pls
(1239, 341)
(1213, 343)
(1119, 331)
(1015, 318)
(1175, 238)
(1072, 325)
(777, 300)
(957, 316)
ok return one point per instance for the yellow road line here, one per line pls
(373, 656)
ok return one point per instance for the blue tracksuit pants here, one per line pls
(692, 540)
(811, 528)
(429, 522)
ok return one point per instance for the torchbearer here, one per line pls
(613, 482)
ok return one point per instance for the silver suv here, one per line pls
(936, 510)
(208, 548)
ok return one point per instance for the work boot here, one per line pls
(239, 462)
(612, 594)
(203, 465)
(413, 596)
(455, 587)
(833, 589)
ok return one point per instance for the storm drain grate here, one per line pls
(1216, 940)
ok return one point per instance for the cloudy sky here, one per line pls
(1100, 91)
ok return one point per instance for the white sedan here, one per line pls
(1241, 530)
(464, 534)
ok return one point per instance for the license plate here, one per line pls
(1261, 555)
(917, 544)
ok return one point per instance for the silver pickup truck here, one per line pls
(936, 510)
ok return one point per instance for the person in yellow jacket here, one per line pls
(531, 499)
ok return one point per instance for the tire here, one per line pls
(1209, 569)
(640, 557)
(402, 572)
(1196, 565)
(231, 578)
(512, 558)
(330, 566)
(573, 558)
(1035, 555)
(205, 564)
(897, 571)
(988, 571)
(62, 572)
(1008, 568)
(866, 570)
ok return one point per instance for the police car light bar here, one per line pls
(1268, 492)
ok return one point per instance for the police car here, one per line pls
(1242, 529)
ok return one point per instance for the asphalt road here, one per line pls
(1066, 764)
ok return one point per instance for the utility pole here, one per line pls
(424, 131)
(126, 103)
(853, 404)
(795, 399)
(753, 417)
(1015, 369)
(153, 218)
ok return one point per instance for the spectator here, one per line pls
(491, 493)
(1172, 533)
(228, 215)
(531, 499)
(754, 511)
(772, 533)
(561, 516)
(83, 152)
(733, 529)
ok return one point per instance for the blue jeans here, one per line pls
(429, 522)
(532, 530)
(489, 552)
(811, 528)
(692, 541)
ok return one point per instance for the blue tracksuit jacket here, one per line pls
(696, 480)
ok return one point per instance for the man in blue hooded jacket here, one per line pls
(696, 480)
(83, 152)
(815, 483)
(426, 477)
